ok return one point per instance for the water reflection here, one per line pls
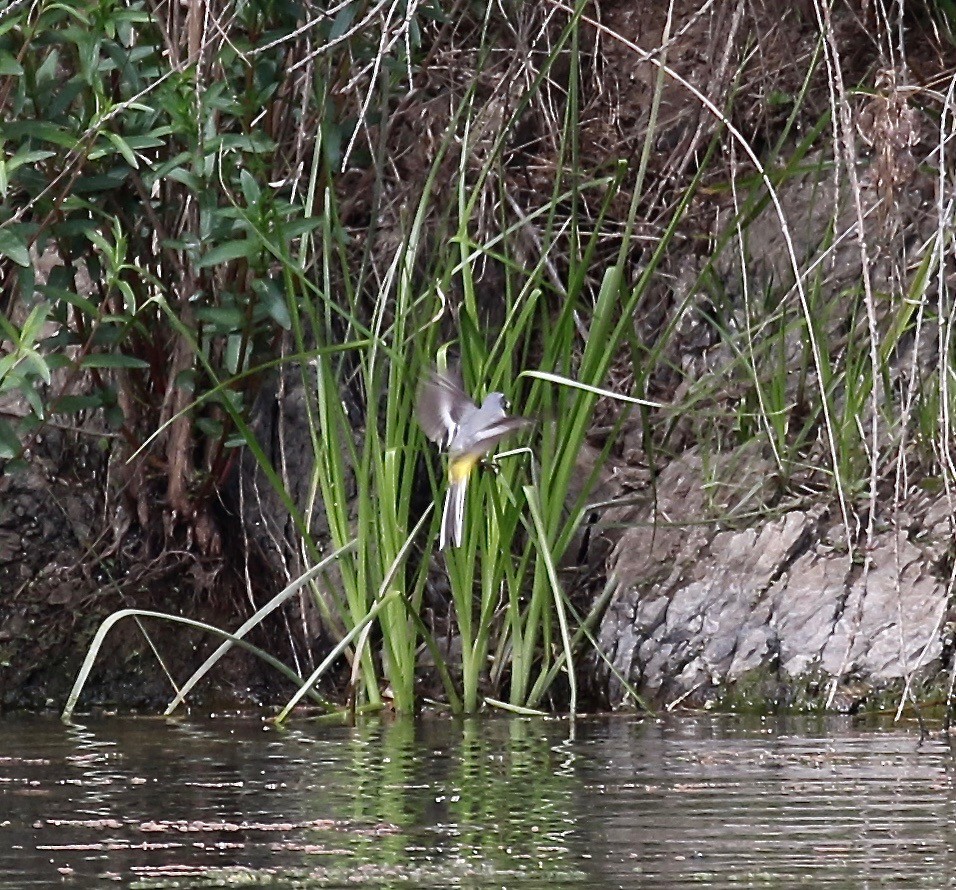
(466, 798)
(616, 802)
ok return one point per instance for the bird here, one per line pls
(456, 424)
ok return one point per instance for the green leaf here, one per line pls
(8, 330)
(32, 397)
(209, 427)
(163, 169)
(39, 367)
(343, 21)
(225, 319)
(27, 282)
(250, 188)
(124, 149)
(231, 250)
(181, 175)
(14, 247)
(114, 417)
(58, 294)
(109, 335)
(9, 65)
(150, 140)
(301, 226)
(93, 185)
(28, 157)
(97, 239)
(33, 325)
(186, 379)
(41, 130)
(74, 404)
(230, 358)
(9, 380)
(46, 74)
(129, 298)
(273, 301)
(113, 360)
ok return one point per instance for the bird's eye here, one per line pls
(505, 404)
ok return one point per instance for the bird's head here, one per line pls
(496, 400)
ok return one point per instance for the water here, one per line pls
(613, 802)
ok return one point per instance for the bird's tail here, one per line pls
(453, 516)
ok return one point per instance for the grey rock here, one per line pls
(697, 610)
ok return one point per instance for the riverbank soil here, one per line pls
(71, 555)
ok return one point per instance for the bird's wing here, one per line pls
(441, 404)
(480, 434)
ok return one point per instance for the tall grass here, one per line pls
(361, 331)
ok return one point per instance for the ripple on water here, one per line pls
(705, 801)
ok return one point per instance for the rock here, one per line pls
(698, 611)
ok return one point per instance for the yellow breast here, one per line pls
(460, 467)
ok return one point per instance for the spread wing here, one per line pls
(487, 435)
(441, 403)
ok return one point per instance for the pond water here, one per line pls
(607, 802)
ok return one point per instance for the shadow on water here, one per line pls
(708, 801)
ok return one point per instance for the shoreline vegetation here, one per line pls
(708, 247)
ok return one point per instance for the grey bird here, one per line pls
(451, 419)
